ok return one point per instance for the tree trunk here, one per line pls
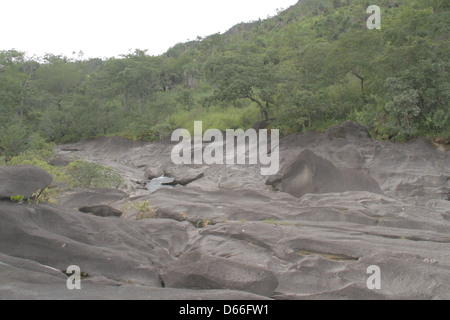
(261, 107)
(361, 79)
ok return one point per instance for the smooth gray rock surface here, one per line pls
(366, 203)
(311, 174)
(22, 279)
(22, 180)
(197, 270)
(123, 250)
(78, 198)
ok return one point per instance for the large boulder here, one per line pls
(22, 180)
(199, 270)
(310, 173)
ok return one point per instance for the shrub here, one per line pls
(83, 174)
(142, 209)
(30, 155)
(204, 223)
(403, 109)
(18, 198)
(39, 158)
(47, 195)
(12, 140)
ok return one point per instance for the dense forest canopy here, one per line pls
(309, 67)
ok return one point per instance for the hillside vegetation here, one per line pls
(309, 67)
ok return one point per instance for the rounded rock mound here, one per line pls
(22, 180)
(310, 173)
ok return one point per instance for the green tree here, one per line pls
(83, 174)
(12, 140)
(353, 54)
(402, 108)
(237, 76)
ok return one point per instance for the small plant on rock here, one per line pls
(141, 209)
(18, 199)
(46, 195)
(204, 223)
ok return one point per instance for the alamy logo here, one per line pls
(374, 21)
(233, 149)
(74, 280)
(374, 281)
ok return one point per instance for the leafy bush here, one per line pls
(12, 140)
(141, 209)
(155, 133)
(204, 223)
(39, 158)
(217, 118)
(83, 174)
(18, 198)
(47, 195)
(162, 130)
(30, 155)
(403, 109)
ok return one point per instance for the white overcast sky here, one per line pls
(107, 28)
